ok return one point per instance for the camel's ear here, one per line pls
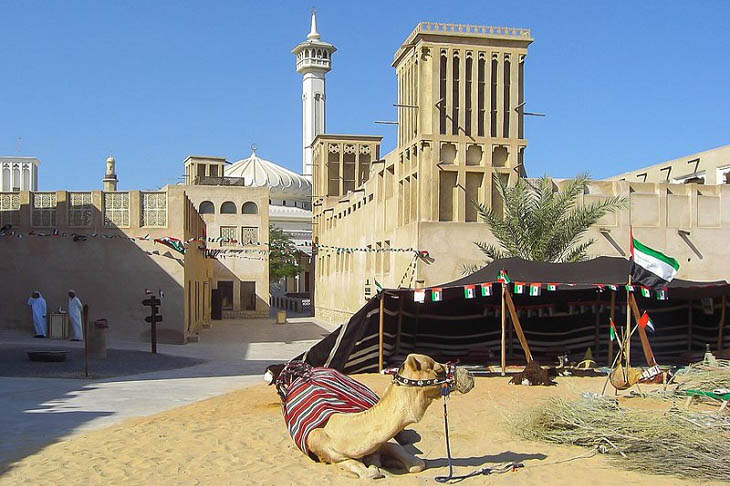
(412, 363)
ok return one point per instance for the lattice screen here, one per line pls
(44, 209)
(116, 209)
(249, 235)
(154, 209)
(80, 209)
(10, 208)
(228, 233)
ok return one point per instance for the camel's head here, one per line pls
(422, 367)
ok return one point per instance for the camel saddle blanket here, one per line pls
(310, 396)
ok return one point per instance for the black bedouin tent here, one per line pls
(561, 308)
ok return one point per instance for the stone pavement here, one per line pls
(39, 411)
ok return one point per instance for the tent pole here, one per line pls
(627, 345)
(689, 326)
(400, 325)
(597, 342)
(518, 327)
(648, 353)
(380, 332)
(613, 316)
(721, 326)
(504, 326)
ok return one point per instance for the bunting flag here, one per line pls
(437, 294)
(502, 277)
(419, 295)
(645, 321)
(378, 287)
(629, 288)
(171, 242)
(612, 287)
(535, 289)
(552, 287)
(468, 291)
(645, 292)
(650, 267)
(612, 331)
(661, 294)
(519, 287)
(486, 289)
(599, 287)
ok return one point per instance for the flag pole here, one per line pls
(380, 331)
(627, 346)
(504, 325)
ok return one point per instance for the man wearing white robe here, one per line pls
(38, 306)
(74, 316)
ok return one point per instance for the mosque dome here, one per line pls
(258, 172)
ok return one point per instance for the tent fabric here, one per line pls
(569, 319)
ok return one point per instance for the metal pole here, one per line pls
(504, 326)
(380, 332)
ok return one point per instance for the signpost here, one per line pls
(153, 303)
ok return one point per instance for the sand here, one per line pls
(240, 438)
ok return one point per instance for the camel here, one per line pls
(360, 443)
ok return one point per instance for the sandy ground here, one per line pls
(240, 438)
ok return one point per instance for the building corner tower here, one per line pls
(313, 62)
(110, 178)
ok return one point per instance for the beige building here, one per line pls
(460, 124)
(708, 167)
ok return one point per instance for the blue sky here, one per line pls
(623, 84)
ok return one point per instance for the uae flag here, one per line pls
(535, 289)
(612, 287)
(552, 287)
(486, 289)
(612, 331)
(419, 295)
(651, 268)
(173, 243)
(437, 294)
(645, 321)
(468, 291)
(645, 292)
(519, 287)
(378, 287)
(661, 294)
(502, 276)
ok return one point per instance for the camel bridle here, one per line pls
(446, 382)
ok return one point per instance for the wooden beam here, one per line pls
(721, 325)
(648, 353)
(504, 326)
(380, 332)
(518, 327)
(613, 316)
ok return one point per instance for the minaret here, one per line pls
(314, 60)
(110, 178)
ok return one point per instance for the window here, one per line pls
(116, 209)
(206, 207)
(154, 209)
(442, 94)
(79, 209)
(228, 235)
(9, 208)
(455, 97)
(249, 208)
(228, 208)
(249, 235)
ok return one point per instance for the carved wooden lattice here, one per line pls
(154, 209)
(44, 209)
(9, 208)
(228, 234)
(249, 235)
(80, 209)
(116, 209)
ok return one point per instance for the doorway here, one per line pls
(226, 290)
(248, 296)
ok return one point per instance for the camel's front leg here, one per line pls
(397, 452)
(360, 470)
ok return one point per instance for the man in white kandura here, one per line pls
(38, 306)
(74, 316)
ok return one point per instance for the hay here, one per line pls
(703, 376)
(676, 443)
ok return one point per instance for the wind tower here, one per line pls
(110, 178)
(314, 61)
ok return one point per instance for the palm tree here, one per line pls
(541, 224)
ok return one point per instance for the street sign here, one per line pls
(152, 319)
(151, 301)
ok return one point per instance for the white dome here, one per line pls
(258, 172)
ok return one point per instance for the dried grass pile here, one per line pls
(703, 376)
(679, 443)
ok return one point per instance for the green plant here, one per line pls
(540, 223)
(283, 255)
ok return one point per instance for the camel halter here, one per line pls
(447, 384)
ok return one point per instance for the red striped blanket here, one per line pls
(310, 396)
